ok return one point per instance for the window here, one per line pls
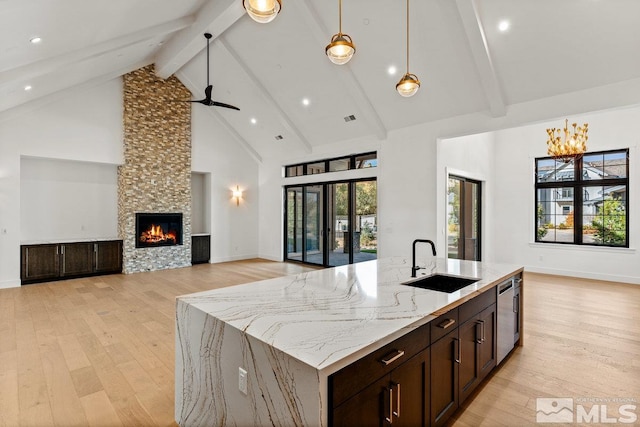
(355, 161)
(584, 201)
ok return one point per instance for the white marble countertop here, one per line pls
(332, 317)
(78, 240)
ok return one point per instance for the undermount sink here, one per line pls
(441, 283)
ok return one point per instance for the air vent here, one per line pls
(349, 118)
(278, 137)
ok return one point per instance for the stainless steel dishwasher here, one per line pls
(506, 319)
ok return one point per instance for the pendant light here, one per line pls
(341, 48)
(262, 11)
(409, 83)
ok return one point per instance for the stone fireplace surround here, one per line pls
(156, 174)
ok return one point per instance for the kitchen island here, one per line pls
(290, 334)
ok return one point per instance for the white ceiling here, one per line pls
(465, 63)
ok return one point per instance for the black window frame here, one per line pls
(579, 186)
(305, 170)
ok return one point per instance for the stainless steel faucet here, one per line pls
(414, 269)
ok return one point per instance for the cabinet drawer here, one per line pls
(477, 304)
(353, 378)
(443, 324)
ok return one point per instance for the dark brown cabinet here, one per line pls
(39, 262)
(108, 256)
(54, 261)
(200, 249)
(445, 370)
(400, 398)
(76, 259)
(423, 377)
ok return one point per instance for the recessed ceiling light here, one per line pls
(392, 70)
(503, 25)
(35, 40)
(27, 88)
(253, 121)
(305, 101)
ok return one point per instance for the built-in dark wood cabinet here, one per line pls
(200, 249)
(108, 256)
(76, 259)
(52, 261)
(423, 377)
(445, 354)
(39, 262)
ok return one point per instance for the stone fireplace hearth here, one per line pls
(156, 174)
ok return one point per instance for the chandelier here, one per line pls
(572, 146)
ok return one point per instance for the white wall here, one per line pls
(234, 229)
(67, 200)
(199, 203)
(515, 151)
(72, 126)
(411, 179)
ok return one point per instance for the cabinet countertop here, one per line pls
(59, 241)
(332, 317)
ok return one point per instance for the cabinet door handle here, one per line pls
(457, 359)
(479, 335)
(389, 419)
(392, 357)
(397, 411)
(515, 303)
(447, 323)
(27, 262)
(483, 331)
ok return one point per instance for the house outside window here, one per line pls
(584, 201)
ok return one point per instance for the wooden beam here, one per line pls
(214, 17)
(468, 11)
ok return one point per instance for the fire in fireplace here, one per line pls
(158, 229)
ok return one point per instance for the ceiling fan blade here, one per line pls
(222, 104)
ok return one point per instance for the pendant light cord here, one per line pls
(407, 36)
(340, 15)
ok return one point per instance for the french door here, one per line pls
(331, 224)
(464, 201)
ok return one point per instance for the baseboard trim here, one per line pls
(233, 258)
(6, 284)
(585, 275)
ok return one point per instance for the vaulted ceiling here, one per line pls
(466, 64)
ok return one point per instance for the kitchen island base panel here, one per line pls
(280, 389)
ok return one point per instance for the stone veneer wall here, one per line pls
(156, 174)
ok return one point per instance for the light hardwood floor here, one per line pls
(100, 351)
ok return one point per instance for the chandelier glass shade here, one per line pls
(409, 83)
(262, 11)
(566, 145)
(341, 49)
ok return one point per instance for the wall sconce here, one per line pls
(237, 194)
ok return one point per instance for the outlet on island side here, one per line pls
(242, 380)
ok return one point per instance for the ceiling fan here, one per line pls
(207, 92)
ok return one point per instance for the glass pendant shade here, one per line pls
(262, 11)
(341, 49)
(408, 85)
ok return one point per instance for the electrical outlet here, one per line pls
(242, 380)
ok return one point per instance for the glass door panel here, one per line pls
(314, 224)
(463, 219)
(338, 214)
(364, 243)
(294, 224)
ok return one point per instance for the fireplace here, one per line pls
(158, 229)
